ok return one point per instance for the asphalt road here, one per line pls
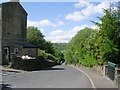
(56, 77)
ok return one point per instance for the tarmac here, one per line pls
(3, 68)
(96, 80)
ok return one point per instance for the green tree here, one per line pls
(95, 47)
(81, 48)
(108, 39)
(34, 36)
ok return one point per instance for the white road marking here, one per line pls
(86, 75)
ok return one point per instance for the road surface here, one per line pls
(61, 76)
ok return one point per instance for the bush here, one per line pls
(47, 56)
(81, 48)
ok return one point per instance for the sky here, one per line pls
(60, 21)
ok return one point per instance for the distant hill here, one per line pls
(60, 46)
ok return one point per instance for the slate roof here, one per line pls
(20, 6)
(24, 45)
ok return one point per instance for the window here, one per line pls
(16, 50)
(30, 52)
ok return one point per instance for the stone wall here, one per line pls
(14, 20)
(103, 71)
(13, 30)
(33, 52)
(116, 75)
(99, 70)
(13, 26)
(31, 64)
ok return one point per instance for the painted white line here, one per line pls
(86, 75)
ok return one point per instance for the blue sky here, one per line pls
(60, 21)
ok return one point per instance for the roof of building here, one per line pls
(16, 3)
(24, 45)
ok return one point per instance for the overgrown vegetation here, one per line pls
(81, 48)
(46, 49)
(92, 47)
(35, 37)
(60, 46)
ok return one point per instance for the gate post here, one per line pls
(117, 77)
(105, 70)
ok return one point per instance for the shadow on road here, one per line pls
(5, 87)
(54, 68)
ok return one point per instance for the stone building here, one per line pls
(13, 29)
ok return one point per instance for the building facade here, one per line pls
(13, 30)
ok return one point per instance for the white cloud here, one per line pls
(94, 27)
(32, 23)
(59, 23)
(104, 5)
(44, 23)
(89, 10)
(115, 8)
(42, 30)
(75, 16)
(65, 36)
(57, 33)
(82, 4)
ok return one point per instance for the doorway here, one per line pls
(7, 54)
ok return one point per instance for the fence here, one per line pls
(112, 71)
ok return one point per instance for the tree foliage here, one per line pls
(60, 46)
(80, 49)
(109, 35)
(96, 47)
(46, 48)
(34, 36)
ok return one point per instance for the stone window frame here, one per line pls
(16, 50)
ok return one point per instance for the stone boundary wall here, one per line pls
(30, 64)
(103, 71)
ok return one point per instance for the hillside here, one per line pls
(60, 46)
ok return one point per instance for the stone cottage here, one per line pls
(13, 29)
